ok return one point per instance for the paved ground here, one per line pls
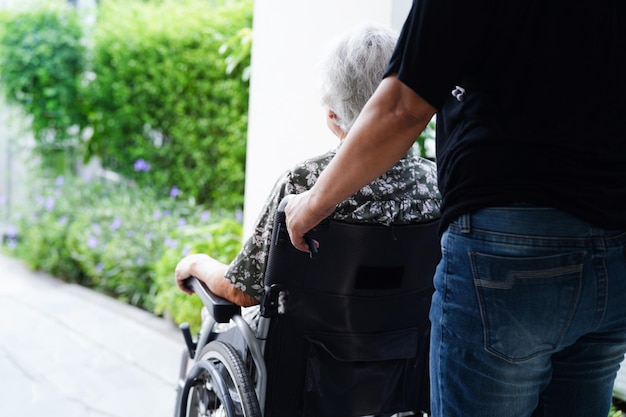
(66, 351)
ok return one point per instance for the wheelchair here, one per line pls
(344, 333)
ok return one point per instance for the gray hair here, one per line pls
(353, 71)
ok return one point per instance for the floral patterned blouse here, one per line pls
(407, 193)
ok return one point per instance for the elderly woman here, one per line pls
(407, 193)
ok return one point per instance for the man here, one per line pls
(529, 313)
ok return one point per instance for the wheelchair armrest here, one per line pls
(219, 308)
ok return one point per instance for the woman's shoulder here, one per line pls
(313, 165)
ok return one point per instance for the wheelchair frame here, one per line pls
(193, 351)
(222, 311)
(228, 368)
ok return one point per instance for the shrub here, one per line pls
(110, 236)
(615, 412)
(165, 82)
(41, 62)
(222, 240)
(426, 141)
(170, 87)
(42, 224)
(116, 246)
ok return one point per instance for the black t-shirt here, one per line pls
(531, 99)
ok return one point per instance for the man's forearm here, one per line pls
(386, 128)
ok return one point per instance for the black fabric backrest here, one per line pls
(353, 340)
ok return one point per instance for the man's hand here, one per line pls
(302, 217)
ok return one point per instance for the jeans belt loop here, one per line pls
(465, 223)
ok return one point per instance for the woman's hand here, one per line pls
(197, 265)
(211, 272)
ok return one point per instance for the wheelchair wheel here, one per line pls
(219, 386)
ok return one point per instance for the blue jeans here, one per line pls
(528, 316)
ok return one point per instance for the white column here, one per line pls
(286, 120)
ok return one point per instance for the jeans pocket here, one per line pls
(527, 303)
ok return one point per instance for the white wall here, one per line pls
(286, 120)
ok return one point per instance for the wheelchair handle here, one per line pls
(220, 308)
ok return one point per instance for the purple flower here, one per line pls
(205, 216)
(99, 267)
(182, 222)
(49, 203)
(141, 165)
(170, 243)
(186, 250)
(63, 220)
(174, 191)
(60, 180)
(92, 242)
(239, 215)
(115, 224)
(157, 215)
(11, 232)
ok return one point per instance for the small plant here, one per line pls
(617, 408)
(111, 237)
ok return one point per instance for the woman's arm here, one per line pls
(211, 272)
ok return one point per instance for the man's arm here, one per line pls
(386, 128)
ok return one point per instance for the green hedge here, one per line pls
(157, 90)
(42, 61)
(170, 87)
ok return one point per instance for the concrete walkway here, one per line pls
(66, 351)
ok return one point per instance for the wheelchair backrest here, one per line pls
(353, 337)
